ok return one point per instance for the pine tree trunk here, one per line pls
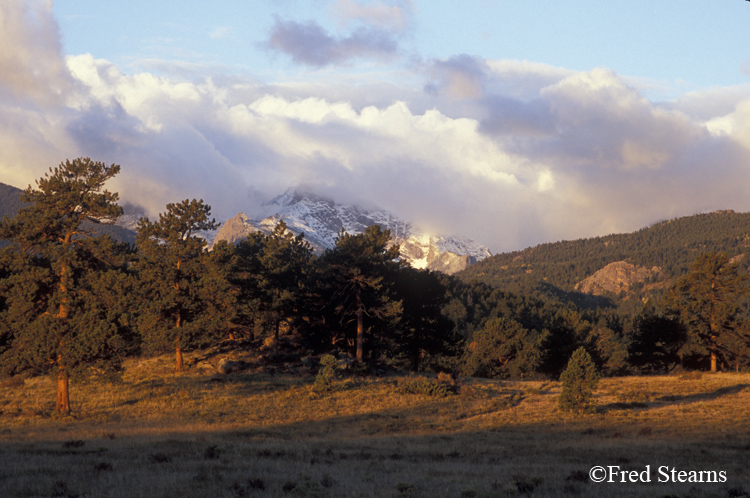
(360, 328)
(62, 404)
(713, 361)
(62, 401)
(179, 365)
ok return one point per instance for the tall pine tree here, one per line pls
(271, 271)
(59, 275)
(356, 269)
(178, 286)
(708, 300)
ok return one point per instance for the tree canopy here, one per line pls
(179, 307)
(708, 300)
(356, 270)
(57, 316)
(74, 302)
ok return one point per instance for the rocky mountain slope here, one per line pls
(618, 277)
(640, 263)
(321, 220)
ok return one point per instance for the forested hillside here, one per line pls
(553, 269)
(73, 301)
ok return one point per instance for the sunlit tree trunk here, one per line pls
(714, 362)
(179, 364)
(360, 328)
(62, 403)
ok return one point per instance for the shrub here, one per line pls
(579, 381)
(426, 386)
(326, 375)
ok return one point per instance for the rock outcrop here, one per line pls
(618, 277)
(235, 229)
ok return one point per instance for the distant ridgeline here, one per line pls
(10, 200)
(615, 269)
(10, 203)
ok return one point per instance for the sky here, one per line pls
(509, 122)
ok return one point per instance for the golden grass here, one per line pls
(157, 434)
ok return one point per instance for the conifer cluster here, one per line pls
(73, 302)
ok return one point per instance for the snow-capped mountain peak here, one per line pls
(321, 220)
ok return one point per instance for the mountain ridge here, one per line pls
(556, 268)
(321, 220)
(10, 203)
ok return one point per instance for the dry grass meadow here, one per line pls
(196, 434)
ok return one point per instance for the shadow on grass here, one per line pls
(674, 399)
(709, 396)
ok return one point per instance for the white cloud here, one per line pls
(510, 153)
(310, 44)
(31, 67)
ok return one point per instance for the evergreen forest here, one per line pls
(76, 300)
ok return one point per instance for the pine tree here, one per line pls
(579, 381)
(502, 349)
(656, 340)
(284, 264)
(56, 319)
(356, 268)
(422, 333)
(708, 299)
(179, 288)
(271, 272)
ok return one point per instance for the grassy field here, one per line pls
(196, 434)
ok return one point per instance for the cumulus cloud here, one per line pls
(310, 44)
(34, 86)
(31, 67)
(460, 77)
(510, 153)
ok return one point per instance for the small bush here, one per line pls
(737, 493)
(327, 481)
(578, 476)
(579, 381)
(76, 443)
(211, 453)
(405, 488)
(249, 488)
(426, 386)
(160, 458)
(61, 490)
(326, 375)
(526, 485)
(103, 466)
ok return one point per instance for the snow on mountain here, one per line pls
(321, 220)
